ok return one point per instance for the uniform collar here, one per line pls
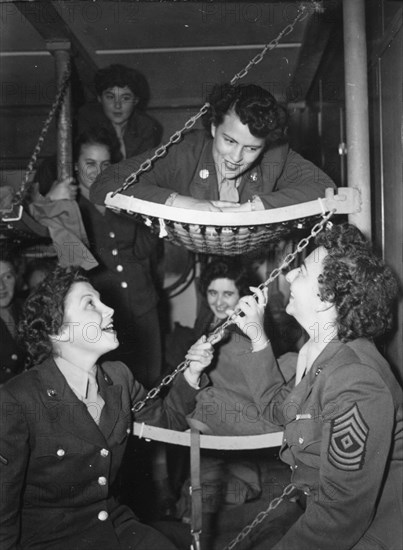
(76, 377)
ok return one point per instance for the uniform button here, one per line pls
(301, 440)
(60, 452)
(104, 452)
(123, 284)
(103, 515)
(102, 480)
(14, 357)
(119, 268)
(112, 235)
(115, 252)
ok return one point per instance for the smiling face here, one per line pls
(234, 147)
(87, 323)
(7, 284)
(221, 295)
(304, 302)
(118, 104)
(92, 160)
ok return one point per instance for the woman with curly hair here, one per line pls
(241, 162)
(342, 413)
(65, 422)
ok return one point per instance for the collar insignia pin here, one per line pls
(253, 176)
(204, 174)
(51, 392)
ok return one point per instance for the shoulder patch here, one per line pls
(348, 440)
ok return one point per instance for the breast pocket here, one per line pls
(58, 447)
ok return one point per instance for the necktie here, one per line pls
(94, 401)
(228, 191)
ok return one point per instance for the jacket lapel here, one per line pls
(112, 395)
(63, 406)
(204, 183)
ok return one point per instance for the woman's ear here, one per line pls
(213, 129)
(62, 336)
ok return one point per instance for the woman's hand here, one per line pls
(64, 189)
(251, 320)
(200, 356)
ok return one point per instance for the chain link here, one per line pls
(19, 196)
(303, 243)
(260, 517)
(303, 12)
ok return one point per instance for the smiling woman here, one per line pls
(241, 162)
(65, 460)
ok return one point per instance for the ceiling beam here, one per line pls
(47, 21)
(316, 38)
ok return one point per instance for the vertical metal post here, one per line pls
(356, 88)
(61, 53)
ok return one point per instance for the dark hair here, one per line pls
(98, 135)
(357, 282)
(121, 76)
(43, 312)
(255, 107)
(228, 268)
(46, 265)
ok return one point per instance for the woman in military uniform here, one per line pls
(65, 422)
(240, 162)
(342, 412)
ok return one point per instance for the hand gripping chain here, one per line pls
(289, 258)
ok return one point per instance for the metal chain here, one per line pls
(289, 258)
(260, 517)
(34, 157)
(303, 12)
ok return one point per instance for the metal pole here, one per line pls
(357, 131)
(61, 53)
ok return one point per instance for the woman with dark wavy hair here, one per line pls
(342, 413)
(242, 162)
(65, 422)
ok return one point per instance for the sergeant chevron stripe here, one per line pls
(348, 439)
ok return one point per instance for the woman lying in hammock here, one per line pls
(240, 162)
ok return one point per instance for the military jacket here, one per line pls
(343, 440)
(280, 176)
(57, 466)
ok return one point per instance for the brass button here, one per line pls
(123, 284)
(104, 452)
(115, 252)
(119, 268)
(60, 453)
(103, 515)
(102, 480)
(112, 235)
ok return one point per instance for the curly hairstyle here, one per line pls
(357, 282)
(255, 107)
(98, 135)
(121, 76)
(43, 312)
(228, 268)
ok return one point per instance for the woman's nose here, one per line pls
(237, 154)
(108, 311)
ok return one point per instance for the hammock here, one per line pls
(230, 234)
